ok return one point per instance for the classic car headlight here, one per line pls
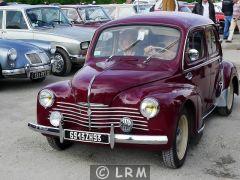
(12, 54)
(46, 98)
(53, 49)
(149, 107)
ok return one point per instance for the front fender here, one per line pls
(62, 92)
(172, 99)
(230, 72)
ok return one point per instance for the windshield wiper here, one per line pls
(163, 49)
(132, 45)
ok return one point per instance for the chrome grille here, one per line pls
(102, 116)
(34, 58)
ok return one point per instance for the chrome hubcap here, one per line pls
(182, 137)
(230, 96)
(58, 63)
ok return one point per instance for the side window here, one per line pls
(195, 43)
(15, 20)
(72, 15)
(211, 40)
(1, 18)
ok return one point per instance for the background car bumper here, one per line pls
(25, 72)
(114, 138)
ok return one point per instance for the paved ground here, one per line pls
(26, 155)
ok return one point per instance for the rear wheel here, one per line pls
(62, 64)
(175, 157)
(56, 144)
(225, 111)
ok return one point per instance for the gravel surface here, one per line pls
(25, 154)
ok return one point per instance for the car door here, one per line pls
(16, 26)
(196, 70)
(215, 60)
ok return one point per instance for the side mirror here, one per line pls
(193, 55)
(84, 45)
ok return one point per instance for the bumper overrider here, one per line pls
(27, 71)
(113, 138)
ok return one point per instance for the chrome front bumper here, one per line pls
(26, 70)
(114, 138)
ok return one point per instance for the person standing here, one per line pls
(227, 9)
(166, 5)
(235, 20)
(206, 9)
(3, 3)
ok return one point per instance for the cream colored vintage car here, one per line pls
(46, 23)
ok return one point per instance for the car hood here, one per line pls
(20, 46)
(106, 83)
(73, 32)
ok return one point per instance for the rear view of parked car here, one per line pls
(46, 23)
(23, 60)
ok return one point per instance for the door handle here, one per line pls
(189, 76)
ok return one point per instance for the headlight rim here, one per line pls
(52, 95)
(9, 54)
(153, 100)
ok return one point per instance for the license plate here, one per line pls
(37, 75)
(85, 136)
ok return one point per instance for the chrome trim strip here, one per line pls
(44, 129)
(109, 122)
(78, 109)
(209, 113)
(114, 138)
(92, 104)
(97, 115)
(201, 129)
(140, 139)
(23, 71)
(66, 115)
(88, 99)
(95, 106)
(202, 64)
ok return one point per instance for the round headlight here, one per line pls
(149, 107)
(12, 54)
(53, 49)
(46, 98)
(55, 118)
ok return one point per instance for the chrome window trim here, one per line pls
(204, 26)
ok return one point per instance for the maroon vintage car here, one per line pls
(148, 81)
(86, 15)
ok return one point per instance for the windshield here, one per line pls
(46, 16)
(147, 41)
(93, 14)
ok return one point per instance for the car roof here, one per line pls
(24, 6)
(117, 5)
(179, 19)
(78, 6)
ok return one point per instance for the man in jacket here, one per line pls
(227, 9)
(206, 9)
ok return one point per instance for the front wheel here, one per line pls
(62, 64)
(175, 157)
(56, 144)
(225, 111)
